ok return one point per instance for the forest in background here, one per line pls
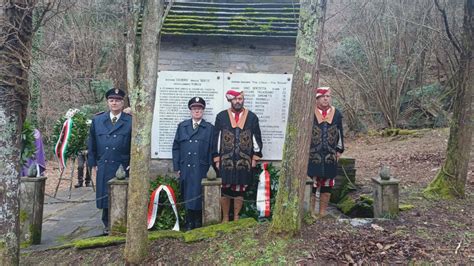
(387, 61)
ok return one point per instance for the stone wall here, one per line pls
(205, 53)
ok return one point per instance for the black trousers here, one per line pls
(81, 166)
(105, 217)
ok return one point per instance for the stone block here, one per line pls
(307, 194)
(211, 207)
(118, 198)
(386, 197)
(31, 209)
(345, 179)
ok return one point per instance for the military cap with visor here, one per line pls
(115, 94)
(197, 102)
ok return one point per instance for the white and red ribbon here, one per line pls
(154, 203)
(263, 192)
(62, 144)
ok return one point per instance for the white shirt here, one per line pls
(112, 116)
(198, 122)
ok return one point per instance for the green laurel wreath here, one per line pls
(79, 132)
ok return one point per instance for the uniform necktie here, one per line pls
(195, 125)
(114, 120)
(237, 117)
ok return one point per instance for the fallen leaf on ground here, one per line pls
(377, 227)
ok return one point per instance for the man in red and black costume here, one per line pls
(237, 148)
(327, 145)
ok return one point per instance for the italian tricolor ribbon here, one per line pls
(153, 205)
(263, 192)
(62, 144)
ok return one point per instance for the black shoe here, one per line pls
(88, 185)
(106, 232)
(78, 185)
(188, 226)
(197, 218)
(197, 224)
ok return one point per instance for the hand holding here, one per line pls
(254, 163)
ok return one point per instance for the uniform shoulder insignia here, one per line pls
(99, 113)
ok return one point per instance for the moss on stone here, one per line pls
(23, 216)
(191, 30)
(390, 132)
(187, 26)
(405, 207)
(35, 234)
(239, 17)
(367, 198)
(25, 244)
(165, 234)
(344, 161)
(266, 27)
(213, 230)
(339, 193)
(119, 227)
(101, 241)
(346, 204)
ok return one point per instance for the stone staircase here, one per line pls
(275, 20)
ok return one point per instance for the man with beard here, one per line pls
(327, 145)
(237, 148)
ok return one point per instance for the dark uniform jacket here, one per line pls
(108, 146)
(239, 144)
(326, 139)
(192, 157)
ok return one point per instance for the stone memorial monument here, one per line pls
(386, 196)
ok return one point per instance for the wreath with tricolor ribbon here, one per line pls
(264, 192)
(154, 205)
(70, 135)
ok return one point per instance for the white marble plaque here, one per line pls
(174, 89)
(267, 95)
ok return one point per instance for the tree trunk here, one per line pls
(15, 49)
(451, 179)
(289, 201)
(142, 94)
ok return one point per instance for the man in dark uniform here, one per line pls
(109, 146)
(192, 158)
(237, 148)
(81, 165)
(327, 145)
